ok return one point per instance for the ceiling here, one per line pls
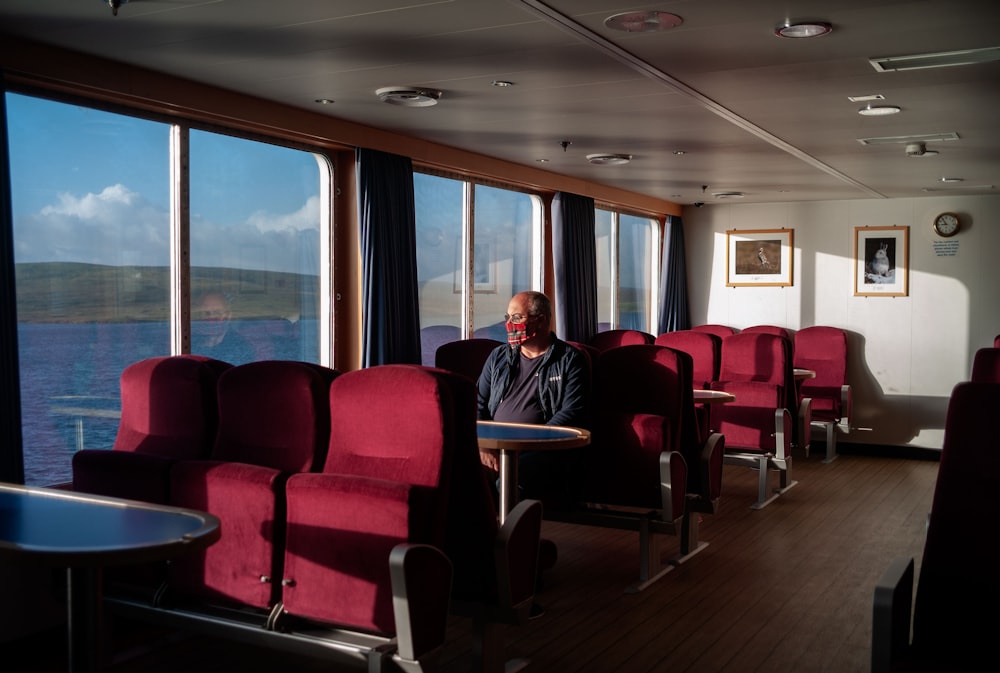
(715, 105)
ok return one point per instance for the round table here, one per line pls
(512, 438)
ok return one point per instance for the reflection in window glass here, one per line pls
(255, 250)
(503, 230)
(90, 198)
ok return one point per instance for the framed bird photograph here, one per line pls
(761, 257)
(881, 257)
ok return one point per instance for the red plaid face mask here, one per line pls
(517, 332)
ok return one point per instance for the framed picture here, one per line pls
(484, 270)
(881, 257)
(760, 257)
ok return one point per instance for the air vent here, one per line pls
(937, 60)
(926, 138)
(728, 195)
(955, 188)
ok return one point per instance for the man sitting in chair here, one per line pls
(536, 378)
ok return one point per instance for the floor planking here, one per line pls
(784, 589)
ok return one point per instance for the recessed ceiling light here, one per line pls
(680, 153)
(952, 179)
(325, 101)
(643, 22)
(609, 159)
(501, 83)
(879, 110)
(803, 29)
(407, 96)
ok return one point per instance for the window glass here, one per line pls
(505, 223)
(255, 250)
(90, 202)
(439, 222)
(502, 229)
(627, 271)
(636, 274)
(605, 269)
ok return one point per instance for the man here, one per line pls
(536, 378)
(211, 332)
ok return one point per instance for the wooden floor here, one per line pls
(780, 590)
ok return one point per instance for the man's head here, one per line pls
(211, 314)
(528, 320)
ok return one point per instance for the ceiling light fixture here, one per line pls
(114, 5)
(728, 195)
(879, 110)
(919, 150)
(952, 179)
(325, 101)
(408, 96)
(609, 159)
(866, 98)
(502, 83)
(643, 22)
(935, 60)
(803, 29)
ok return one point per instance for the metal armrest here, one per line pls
(846, 403)
(782, 440)
(805, 422)
(673, 485)
(891, 613)
(711, 459)
(516, 555)
(421, 593)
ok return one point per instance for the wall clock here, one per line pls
(946, 224)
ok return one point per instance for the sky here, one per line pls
(93, 186)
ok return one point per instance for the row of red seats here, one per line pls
(352, 503)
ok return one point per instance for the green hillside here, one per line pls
(74, 292)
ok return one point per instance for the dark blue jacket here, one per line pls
(563, 383)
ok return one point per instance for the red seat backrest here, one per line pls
(465, 356)
(721, 331)
(613, 338)
(274, 413)
(169, 406)
(986, 366)
(822, 349)
(704, 348)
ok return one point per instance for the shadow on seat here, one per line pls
(958, 572)
(824, 350)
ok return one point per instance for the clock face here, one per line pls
(946, 224)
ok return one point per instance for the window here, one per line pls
(477, 246)
(628, 261)
(91, 205)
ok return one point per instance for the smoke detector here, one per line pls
(408, 96)
(609, 159)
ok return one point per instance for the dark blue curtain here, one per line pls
(574, 258)
(674, 311)
(11, 458)
(390, 316)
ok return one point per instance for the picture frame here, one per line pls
(881, 261)
(759, 257)
(484, 269)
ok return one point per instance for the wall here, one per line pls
(905, 353)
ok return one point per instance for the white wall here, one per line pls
(906, 353)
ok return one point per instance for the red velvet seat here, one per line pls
(770, 329)
(168, 413)
(986, 366)
(465, 356)
(403, 468)
(704, 348)
(635, 473)
(273, 421)
(757, 369)
(952, 626)
(613, 338)
(721, 331)
(823, 350)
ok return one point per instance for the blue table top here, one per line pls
(66, 528)
(520, 436)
